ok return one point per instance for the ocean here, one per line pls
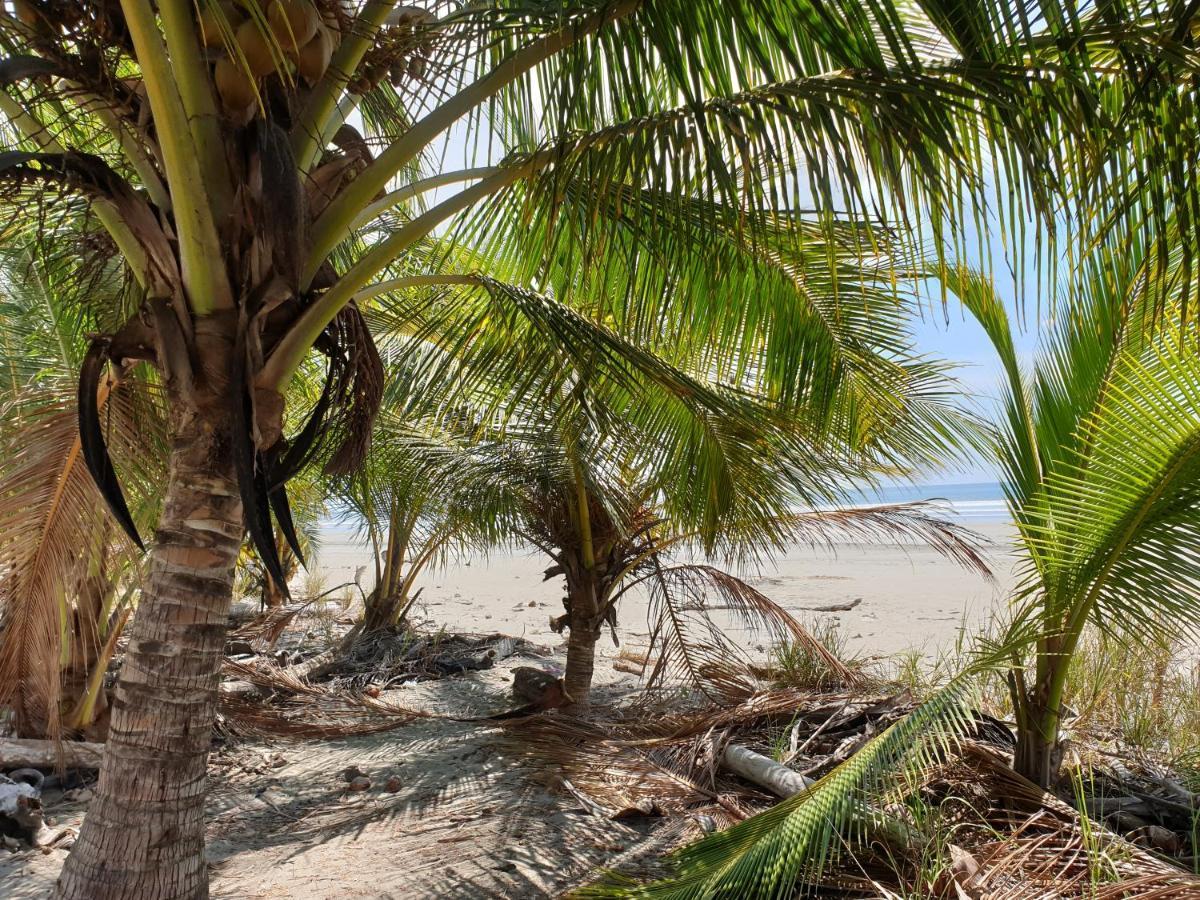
(977, 502)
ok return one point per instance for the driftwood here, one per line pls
(19, 753)
(834, 607)
(784, 782)
(766, 773)
(239, 688)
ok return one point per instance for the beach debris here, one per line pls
(835, 607)
(21, 807)
(596, 809)
(645, 808)
(706, 824)
(237, 648)
(538, 688)
(960, 878)
(1156, 837)
(763, 771)
(351, 772)
(393, 784)
(452, 664)
(20, 753)
(361, 783)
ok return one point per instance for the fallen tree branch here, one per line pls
(785, 782)
(834, 607)
(17, 753)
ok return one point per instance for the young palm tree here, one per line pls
(1099, 444)
(1100, 448)
(548, 428)
(211, 140)
(413, 517)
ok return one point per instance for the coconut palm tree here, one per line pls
(1099, 444)
(527, 481)
(214, 145)
(547, 428)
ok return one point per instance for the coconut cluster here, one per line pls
(252, 39)
(401, 52)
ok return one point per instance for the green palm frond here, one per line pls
(789, 846)
(1124, 537)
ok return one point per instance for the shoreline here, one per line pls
(908, 596)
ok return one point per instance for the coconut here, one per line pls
(293, 22)
(256, 47)
(409, 16)
(210, 22)
(236, 88)
(416, 67)
(313, 59)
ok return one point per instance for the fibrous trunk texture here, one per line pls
(581, 659)
(143, 836)
(1036, 758)
(381, 610)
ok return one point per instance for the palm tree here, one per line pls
(1099, 444)
(537, 423)
(413, 518)
(217, 157)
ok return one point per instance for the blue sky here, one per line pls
(951, 333)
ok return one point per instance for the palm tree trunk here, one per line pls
(381, 608)
(1036, 756)
(143, 836)
(581, 660)
(581, 641)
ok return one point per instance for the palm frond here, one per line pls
(781, 850)
(691, 608)
(50, 520)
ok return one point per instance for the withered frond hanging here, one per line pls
(93, 445)
(361, 390)
(690, 644)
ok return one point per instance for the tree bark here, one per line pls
(381, 609)
(143, 836)
(1036, 758)
(581, 659)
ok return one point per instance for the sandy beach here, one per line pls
(908, 596)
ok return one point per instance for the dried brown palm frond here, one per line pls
(298, 709)
(664, 751)
(49, 528)
(1036, 846)
(917, 523)
(691, 645)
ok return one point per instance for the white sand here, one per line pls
(912, 598)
